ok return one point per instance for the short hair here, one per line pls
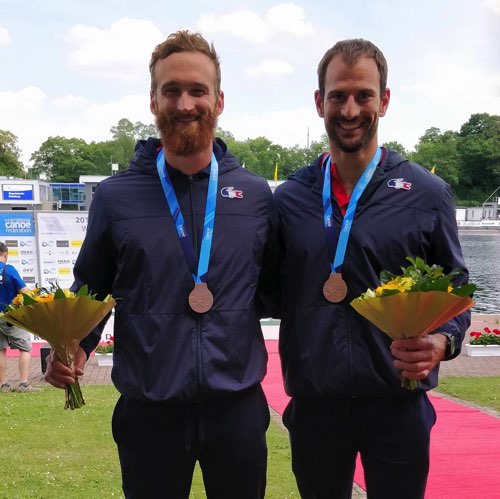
(3, 248)
(184, 41)
(351, 50)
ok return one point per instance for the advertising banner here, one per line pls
(17, 231)
(60, 237)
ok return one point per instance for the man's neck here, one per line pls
(189, 165)
(350, 166)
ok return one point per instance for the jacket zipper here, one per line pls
(196, 252)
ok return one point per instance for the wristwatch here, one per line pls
(450, 344)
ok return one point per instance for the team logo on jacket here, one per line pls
(399, 183)
(231, 192)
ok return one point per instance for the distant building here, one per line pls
(69, 196)
(90, 182)
(491, 210)
(485, 216)
(23, 194)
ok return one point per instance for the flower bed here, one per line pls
(107, 347)
(483, 344)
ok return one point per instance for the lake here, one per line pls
(482, 257)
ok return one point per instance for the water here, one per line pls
(482, 257)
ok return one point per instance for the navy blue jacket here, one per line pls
(329, 350)
(164, 350)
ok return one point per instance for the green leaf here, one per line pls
(59, 294)
(386, 276)
(83, 291)
(27, 300)
(465, 290)
(389, 292)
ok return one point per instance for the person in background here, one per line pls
(357, 210)
(185, 240)
(12, 336)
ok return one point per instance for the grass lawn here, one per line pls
(48, 453)
(483, 391)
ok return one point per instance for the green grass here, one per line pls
(483, 391)
(47, 452)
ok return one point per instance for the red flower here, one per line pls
(475, 334)
(496, 331)
(487, 330)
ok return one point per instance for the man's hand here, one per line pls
(59, 374)
(416, 358)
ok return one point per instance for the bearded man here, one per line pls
(190, 265)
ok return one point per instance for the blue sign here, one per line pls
(17, 192)
(17, 224)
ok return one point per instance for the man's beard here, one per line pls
(337, 141)
(186, 139)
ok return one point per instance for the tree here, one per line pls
(119, 151)
(432, 134)
(440, 150)
(124, 128)
(480, 155)
(135, 131)
(396, 146)
(63, 160)
(10, 163)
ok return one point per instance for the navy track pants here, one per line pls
(159, 444)
(391, 435)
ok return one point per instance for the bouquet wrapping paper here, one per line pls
(63, 321)
(412, 315)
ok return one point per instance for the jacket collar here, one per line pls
(312, 176)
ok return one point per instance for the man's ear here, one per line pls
(318, 100)
(219, 106)
(152, 102)
(384, 102)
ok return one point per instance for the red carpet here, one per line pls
(465, 443)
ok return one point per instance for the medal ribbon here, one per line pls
(208, 225)
(351, 208)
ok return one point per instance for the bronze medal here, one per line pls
(335, 288)
(201, 298)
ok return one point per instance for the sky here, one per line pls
(74, 68)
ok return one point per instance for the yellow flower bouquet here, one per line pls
(63, 319)
(415, 303)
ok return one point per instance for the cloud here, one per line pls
(20, 112)
(33, 118)
(444, 99)
(25, 100)
(474, 88)
(243, 24)
(289, 18)
(69, 102)
(271, 67)
(248, 25)
(494, 5)
(5, 38)
(121, 52)
(287, 128)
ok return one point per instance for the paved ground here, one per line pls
(96, 375)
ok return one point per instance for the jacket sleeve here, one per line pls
(96, 263)
(268, 290)
(446, 251)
